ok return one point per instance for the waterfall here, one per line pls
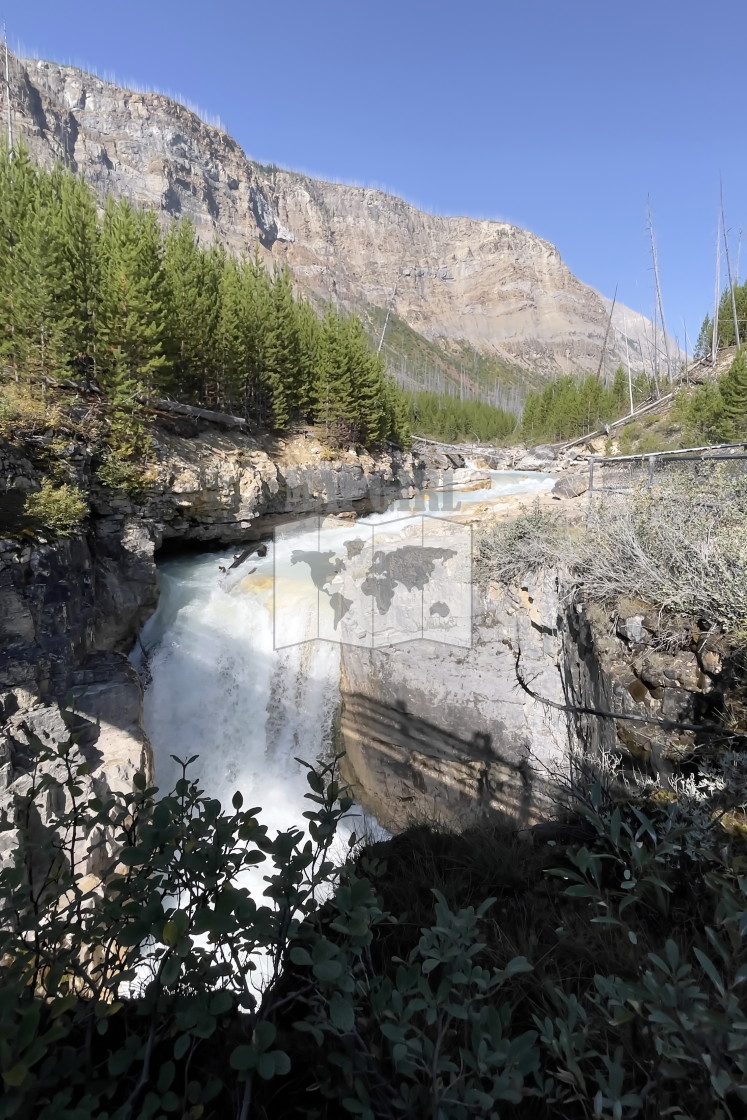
(217, 687)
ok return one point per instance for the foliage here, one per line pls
(726, 335)
(717, 411)
(454, 420)
(507, 551)
(24, 413)
(569, 407)
(116, 303)
(60, 508)
(596, 974)
(680, 547)
(128, 448)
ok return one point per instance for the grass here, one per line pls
(681, 548)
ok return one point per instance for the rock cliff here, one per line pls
(71, 608)
(438, 733)
(501, 289)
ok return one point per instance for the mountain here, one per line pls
(474, 299)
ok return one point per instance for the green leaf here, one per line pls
(710, 970)
(282, 1063)
(517, 965)
(327, 970)
(181, 1046)
(243, 1058)
(342, 1014)
(264, 1035)
(221, 1002)
(16, 1075)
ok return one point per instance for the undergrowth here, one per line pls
(593, 969)
(680, 547)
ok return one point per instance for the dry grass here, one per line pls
(682, 548)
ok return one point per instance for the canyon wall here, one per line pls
(72, 607)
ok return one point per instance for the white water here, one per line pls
(217, 687)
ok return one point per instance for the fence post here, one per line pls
(591, 476)
(651, 460)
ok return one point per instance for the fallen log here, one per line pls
(224, 419)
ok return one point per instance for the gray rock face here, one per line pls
(500, 288)
(432, 732)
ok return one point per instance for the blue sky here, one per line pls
(564, 118)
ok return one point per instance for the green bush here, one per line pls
(599, 973)
(60, 508)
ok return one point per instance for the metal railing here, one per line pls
(620, 474)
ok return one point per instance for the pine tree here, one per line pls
(192, 291)
(132, 304)
(733, 390)
(282, 353)
(77, 269)
(332, 391)
(309, 329)
(19, 263)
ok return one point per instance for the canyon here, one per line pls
(430, 731)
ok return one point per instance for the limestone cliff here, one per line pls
(501, 289)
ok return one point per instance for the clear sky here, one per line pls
(562, 117)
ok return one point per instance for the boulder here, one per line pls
(571, 486)
(537, 459)
(632, 630)
(662, 670)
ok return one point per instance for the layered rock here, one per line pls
(70, 609)
(500, 288)
(444, 734)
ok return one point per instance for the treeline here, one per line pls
(456, 421)
(564, 409)
(716, 411)
(114, 301)
(569, 407)
(726, 333)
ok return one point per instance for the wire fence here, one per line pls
(623, 473)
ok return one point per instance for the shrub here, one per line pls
(59, 508)
(23, 412)
(122, 474)
(508, 550)
(717, 411)
(681, 547)
(596, 974)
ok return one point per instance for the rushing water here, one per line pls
(217, 687)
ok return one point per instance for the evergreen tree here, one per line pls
(77, 274)
(331, 404)
(20, 265)
(282, 353)
(192, 291)
(132, 304)
(733, 389)
(112, 298)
